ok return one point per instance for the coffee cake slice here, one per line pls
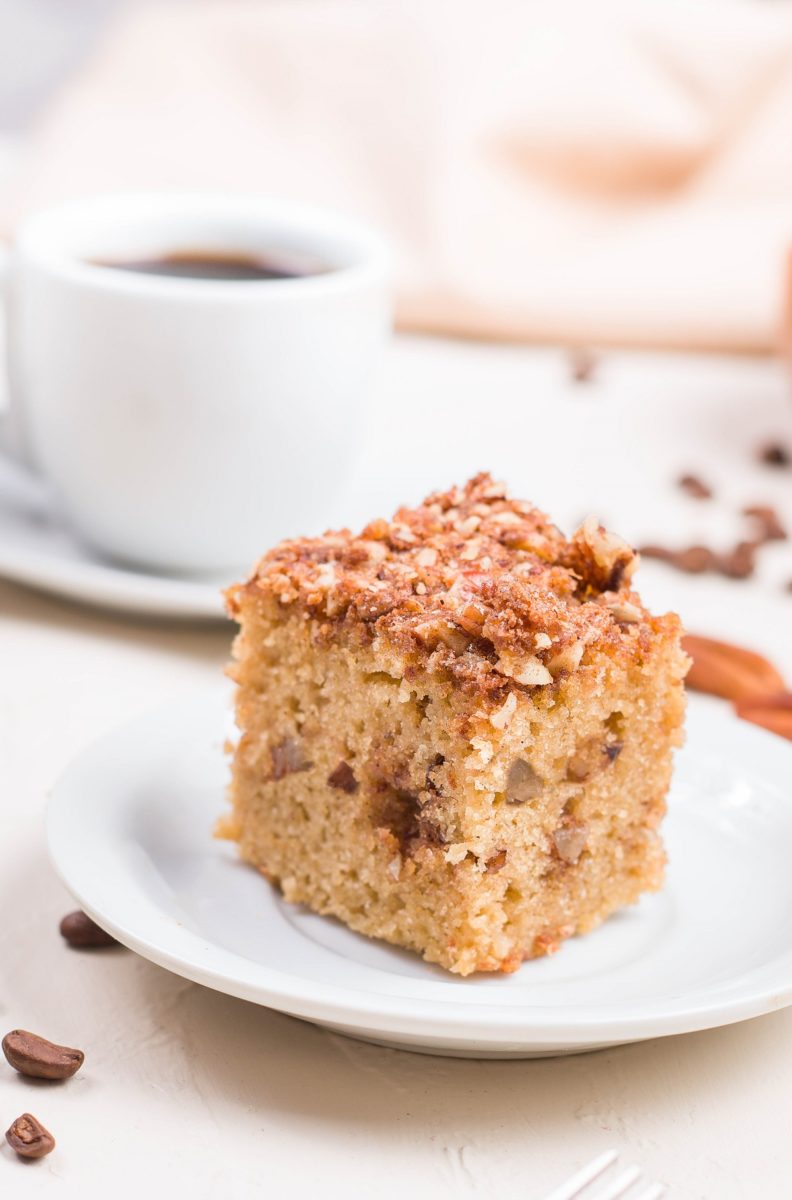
(456, 728)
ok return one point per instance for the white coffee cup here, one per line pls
(186, 424)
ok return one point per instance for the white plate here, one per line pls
(39, 550)
(130, 835)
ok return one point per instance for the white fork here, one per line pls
(612, 1188)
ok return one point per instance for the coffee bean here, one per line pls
(29, 1137)
(81, 932)
(694, 559)
(774, 454)
(695, 487)
(740, 562)
(583, 364)
(770, 524)
(33, 1055)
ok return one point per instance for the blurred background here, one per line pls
(589, 207)
(614, 171)
(42, 44)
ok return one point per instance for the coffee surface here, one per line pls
(215, 265)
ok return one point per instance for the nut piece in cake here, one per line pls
(456, 727)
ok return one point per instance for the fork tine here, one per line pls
(620, 1184)
(574, 1186)
(655, 1192)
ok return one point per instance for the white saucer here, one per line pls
(130, 835)
(40, 551)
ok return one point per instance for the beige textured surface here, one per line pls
(189, 1092)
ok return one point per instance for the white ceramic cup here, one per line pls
(186, 424)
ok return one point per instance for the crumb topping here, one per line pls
(470, 582)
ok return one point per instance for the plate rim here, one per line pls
(474, 1024)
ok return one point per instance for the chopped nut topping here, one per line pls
(501, 717)
(343, 778)
(522, 782)
(579, 767)
(471, 617)
(622, 610)
(529, 671)
(615, 558)
(570, 840)
(470, 583)
(567, 659)
(496, 863)
(592, 757)
(483, 748)
(431, 783)
(325, 576)
(287, 757)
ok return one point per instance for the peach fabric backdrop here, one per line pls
(603, 171)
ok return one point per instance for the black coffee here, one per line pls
(207, 264)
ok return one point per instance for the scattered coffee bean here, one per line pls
(694, 560)
(774, 454)
(769, 521)
(29, 1137)
(582, 364)
(740, 562)
(661, 553)
(33, 1055)
(80, 931)
(695, 487)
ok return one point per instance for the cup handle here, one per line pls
(5, 402)
(11, 442)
